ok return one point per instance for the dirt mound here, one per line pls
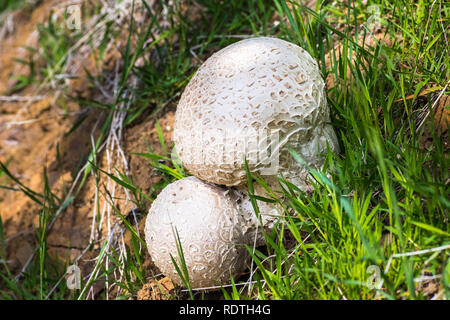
(32, 133)
(156, 290)
(42, 130)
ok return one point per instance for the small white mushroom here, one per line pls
(211, 230)
(255, 98)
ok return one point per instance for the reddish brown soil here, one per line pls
(30, 134)
(157, 290)
(138, 138)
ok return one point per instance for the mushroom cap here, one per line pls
(210, 229)
(257, 97)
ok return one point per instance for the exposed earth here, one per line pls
(36, 133)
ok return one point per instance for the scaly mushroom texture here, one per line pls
(255, 98)
(210, 229)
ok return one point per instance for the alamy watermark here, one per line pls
(117, 13)
(374, 20)
(374, 279)
(73, 17)
(73, 280)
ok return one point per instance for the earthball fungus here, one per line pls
(252, 100)
(210, 229)
(255, 98)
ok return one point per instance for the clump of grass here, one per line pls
(386, 196)
(40, 274)
(10, 5)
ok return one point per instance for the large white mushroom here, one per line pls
(255, 98)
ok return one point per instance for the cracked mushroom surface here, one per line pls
(255, 98)
(210, 227)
